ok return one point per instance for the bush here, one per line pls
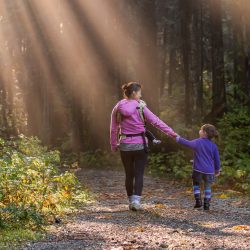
(100, 159)
(31, 188)
(234, 146)
(174, 165)
(234, 129)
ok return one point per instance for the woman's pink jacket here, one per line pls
(131, 123)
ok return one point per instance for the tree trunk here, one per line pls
(218, 85)
(185, 7)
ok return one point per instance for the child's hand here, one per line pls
(217, 173)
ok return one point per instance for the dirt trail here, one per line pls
(168, 221)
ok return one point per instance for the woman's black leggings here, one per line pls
(134, 163)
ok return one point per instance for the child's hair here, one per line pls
(129, 88)
(210, 130)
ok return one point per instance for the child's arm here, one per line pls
(216, 160)
(191, 144)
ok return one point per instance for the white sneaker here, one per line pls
(130, 199)
(136, 203)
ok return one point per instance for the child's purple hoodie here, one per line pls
(132, 123)
(206, 154)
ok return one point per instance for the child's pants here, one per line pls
(197, 180)
(207, 190)
(134, 164)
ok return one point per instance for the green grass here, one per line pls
(10, 239)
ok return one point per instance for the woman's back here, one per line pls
(131, 122)
(126, 118)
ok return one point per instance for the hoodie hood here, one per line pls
(127, 107)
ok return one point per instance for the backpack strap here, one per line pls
(140, 108)
(118, 117)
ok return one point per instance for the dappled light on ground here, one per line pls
(167, 222)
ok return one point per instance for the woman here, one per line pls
(126, 120)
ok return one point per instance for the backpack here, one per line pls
(140, 108)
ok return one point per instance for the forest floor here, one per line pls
(167, 222)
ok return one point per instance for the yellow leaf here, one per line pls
(241, 227)
(161, 206)
(223, 196)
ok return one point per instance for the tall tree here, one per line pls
(218, 84)
(185, 8)
(148, 61)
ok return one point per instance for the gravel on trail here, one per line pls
(168, 221)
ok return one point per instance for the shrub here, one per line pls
(100, 159)
(31, 188)
(234, 129)
(174, 165)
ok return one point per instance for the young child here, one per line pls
(206, 164)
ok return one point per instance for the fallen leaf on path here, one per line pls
(159, 205)
(223, 196)
(241, 227)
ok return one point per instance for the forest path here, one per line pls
(168, 221)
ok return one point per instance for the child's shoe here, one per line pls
(198, 203)
(206, 204)
(136, 203)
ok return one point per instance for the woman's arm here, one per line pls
(158, 123)
(191, 144)
(114, 128)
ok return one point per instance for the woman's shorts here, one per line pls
(199, 177)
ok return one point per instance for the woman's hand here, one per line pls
(174, 135)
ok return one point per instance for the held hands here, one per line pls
(174, 135)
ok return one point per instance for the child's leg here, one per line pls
(207, 197)
(207, 191)
(197, 179)
(196, 189)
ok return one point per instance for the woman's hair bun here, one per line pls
(129, 88)
(125, 86)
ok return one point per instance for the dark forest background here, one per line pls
(63, 62)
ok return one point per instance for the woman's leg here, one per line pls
(128, 163)
(140, 160)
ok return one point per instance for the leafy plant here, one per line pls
(235, 147)
(173, 165)
(32, 190)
